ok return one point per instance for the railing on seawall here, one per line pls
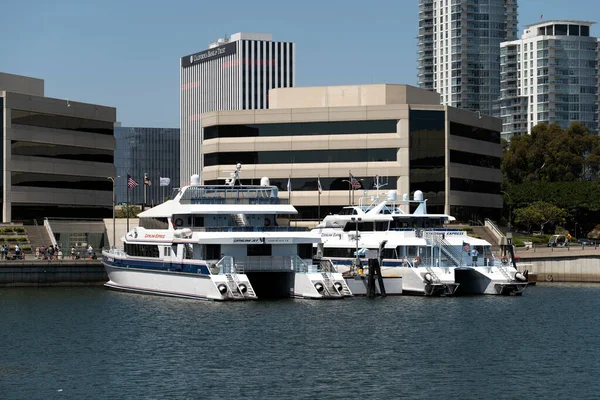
(50, 233)
(495, 230)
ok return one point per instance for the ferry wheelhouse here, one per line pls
(431, 258)
(222, 242)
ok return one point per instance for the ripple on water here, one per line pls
(93, 343)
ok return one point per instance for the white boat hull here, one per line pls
(487, 280)
(316, 285)
(358, 285)
(176, 284)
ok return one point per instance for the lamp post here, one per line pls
(356, 220)
(114, 184)
(509, 209)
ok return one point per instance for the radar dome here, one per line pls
(264, 181)
(418, 195)
(392, 195)
(405, 197)
(195, 179)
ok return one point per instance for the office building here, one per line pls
(550, 76)
(151, 152)
(57, 154)
(459, 49)
(397, 132)
(234, 73)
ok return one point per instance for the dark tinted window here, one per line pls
(477, 160)
(427, 155)
(299, 129)
(471, 185)
(473, 132)
(307, 156)
(141, 250)
(61, 122)
(561, 30)
(259, 250)
(60, 181)
(585, 30)
(310, 184)
(61, 152)
(213, 252)
(305, 251)
(574, 30)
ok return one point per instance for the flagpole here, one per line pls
(145, 187)
(128, 207)
(319, 190)
(349, 187)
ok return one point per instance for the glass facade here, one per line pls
(427, 138)
(310, 184)
(151, 151)
(300, 129)
(303, 156)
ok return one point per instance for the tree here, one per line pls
(551, 154)
(539, 214)
(128, 211)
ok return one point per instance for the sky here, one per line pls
(125, 53)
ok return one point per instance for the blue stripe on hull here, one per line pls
(158, 265)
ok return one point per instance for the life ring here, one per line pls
(178, 222)
(549, 278)
(504, 260)
(267, 222)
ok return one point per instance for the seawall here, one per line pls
(574, 264)
(53, 273)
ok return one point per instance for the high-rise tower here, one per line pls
(459, 49)
(549, 76)
(234, 73)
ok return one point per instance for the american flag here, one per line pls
(354, 182)
(131, 183)
(466, 247)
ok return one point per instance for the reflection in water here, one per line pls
(93, 343)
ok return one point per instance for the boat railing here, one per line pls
(249, 229)
(114, 251)
(240, 265)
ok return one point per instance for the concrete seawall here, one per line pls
(574, 264)
(55, 273)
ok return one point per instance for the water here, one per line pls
(92, 343)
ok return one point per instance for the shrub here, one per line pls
(19, 229)
(7, 229)
(518, 242)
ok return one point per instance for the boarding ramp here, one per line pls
(437, 239)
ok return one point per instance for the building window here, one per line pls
(60, 151)
(299, 129)
(56, 181)
(31, 118)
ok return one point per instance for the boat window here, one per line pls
(338, 252)
(167, 251)
(305, 250)
(198, 222)
(213, 252)
(389, 253)
(362, 226)
(154, 223)
(259, 250)
(189, 251)
(381, 226)
(142, 250)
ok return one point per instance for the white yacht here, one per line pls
(221, 242)
(431, 258)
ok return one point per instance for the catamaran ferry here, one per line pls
(222, 242)
(431, 258)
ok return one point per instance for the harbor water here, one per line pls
(92, 343)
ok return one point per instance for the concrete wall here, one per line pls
(349, 96)
(121, 229)
(21, 84)
(56, 273)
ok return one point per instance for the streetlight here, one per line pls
(114, 184)
(509, 209)
(349, 188)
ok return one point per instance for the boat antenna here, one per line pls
(379, 183)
